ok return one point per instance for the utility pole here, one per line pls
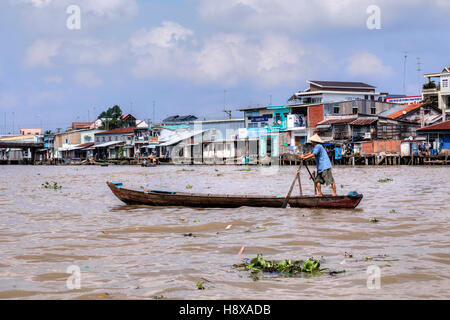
(153, 120)
(228, 112)
(419, 70)
(404, 72)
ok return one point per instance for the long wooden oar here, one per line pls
(297, 176)
(312, 177)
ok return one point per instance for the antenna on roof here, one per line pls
(419, 70)
(404, 72)
(228, 112)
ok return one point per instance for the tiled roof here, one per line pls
(81, 124)
(343, 84)
(363, 121)
(120, 130)
(406, 110)
(85, 145)
(444, 126)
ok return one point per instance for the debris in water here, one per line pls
(228, 227)
(241, 251)
(284, 266)
(200, 285)
(188, 234)
(53, 186)
(348, 255)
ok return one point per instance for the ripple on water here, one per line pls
(133, 252)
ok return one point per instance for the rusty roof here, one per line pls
(442, 126)
(406, 110)
(85, 145)
(114, 131)
(363, 121)
(337, 121)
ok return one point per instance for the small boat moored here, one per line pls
(183, 199)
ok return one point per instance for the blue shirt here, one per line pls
(322, 160)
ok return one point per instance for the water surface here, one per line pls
(139, 252)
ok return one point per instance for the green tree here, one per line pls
(112, 118)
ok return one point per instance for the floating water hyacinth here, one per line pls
(385, 180)
(53, 185)
(283, 266)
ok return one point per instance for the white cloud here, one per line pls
(365, 63)
(165, 36)
(100, 8)
(87, 78)
(37, 3)
(112, 9)
(227, 58)
(304, 15)
(39, 54)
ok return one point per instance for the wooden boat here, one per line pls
(183, 199)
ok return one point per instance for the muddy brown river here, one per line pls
(80, 242)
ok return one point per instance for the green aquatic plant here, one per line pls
(200, 285)
(188, 186)
(246, 169)
(393, 211)
(373, 220)
(385, 180)
(53, 185)
(259, 264)
(219, 174)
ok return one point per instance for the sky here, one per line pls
(60, 65)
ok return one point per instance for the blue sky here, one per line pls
(184, 54)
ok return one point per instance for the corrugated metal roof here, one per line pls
(444, 126)
(363, 121)
(120, 130)
(341, 84)
(107, 144)
(337, 121)
(180, 137)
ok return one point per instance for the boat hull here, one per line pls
(167, 199)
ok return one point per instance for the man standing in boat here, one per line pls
(323, 163)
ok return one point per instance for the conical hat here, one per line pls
(316, 138)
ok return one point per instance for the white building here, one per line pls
(441, 91)
(332, 91)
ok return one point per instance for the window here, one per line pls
(444, 83)
(373, 110)
(336, 109)
(104, 139)
(109, 138)
(115, 138)
(355, 110)
(97, 139)
(66, 141)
